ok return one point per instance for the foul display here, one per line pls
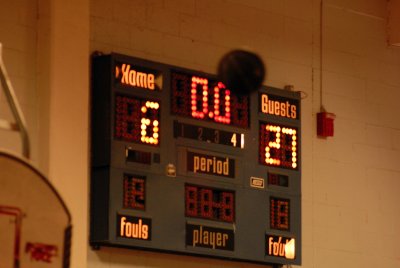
(180, 164)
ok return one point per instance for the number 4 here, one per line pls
(234, 140)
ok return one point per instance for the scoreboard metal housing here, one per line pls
(181, 165)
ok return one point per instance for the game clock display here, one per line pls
(182, 165)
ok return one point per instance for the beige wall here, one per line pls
(18, 35)
(350, 181)
(68, 86)
(46, 48)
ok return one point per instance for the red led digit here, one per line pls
(279, 213)
(206, 203)
(206, 99)
(203, 83)
(239, 110)
(191, 201)
(221, 99)
(181, 94)
(226, 103)
(227, 206)
(126, 118)
(290, 146)
(134, 192)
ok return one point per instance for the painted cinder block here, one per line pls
(343, 85)
(182, 6)
(195, 28)
(162, 20)
(292, 8)
(379, 136)
(377, 157)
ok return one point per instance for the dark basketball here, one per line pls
(241, 71)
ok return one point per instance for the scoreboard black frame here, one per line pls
(181, 165)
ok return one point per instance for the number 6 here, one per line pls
(145, 122)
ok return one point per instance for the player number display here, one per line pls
(209, 203)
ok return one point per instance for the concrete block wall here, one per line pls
(355, 175)
(46, 52)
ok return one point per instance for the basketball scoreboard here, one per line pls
(180, 164)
